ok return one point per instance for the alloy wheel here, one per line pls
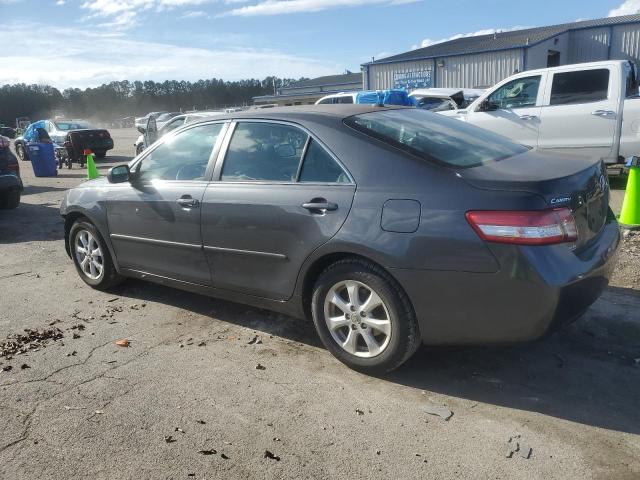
(357, 318)
(89, 255)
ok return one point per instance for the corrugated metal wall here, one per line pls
(625, 42)
(467, 71)
(620, 42)
(480, 70)
(589, 45)
(381, 75)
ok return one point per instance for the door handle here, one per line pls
(320, 206)
(603, 113)
(186, 201)
(528, 117)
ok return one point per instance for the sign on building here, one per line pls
(412, 80)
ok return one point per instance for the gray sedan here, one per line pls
(389, 227)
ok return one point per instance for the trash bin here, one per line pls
(42, 155)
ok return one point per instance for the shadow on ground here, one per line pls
(583, 373)
(31, 222)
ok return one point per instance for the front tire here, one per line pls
(91, 256)
(363, 317)
(21, 152)
(11, 199)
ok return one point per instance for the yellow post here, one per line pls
(630, 213)
(92, 171)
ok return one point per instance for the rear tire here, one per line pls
(91, 256)
(11, 199)
(363, 317)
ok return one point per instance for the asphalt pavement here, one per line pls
(211, 389)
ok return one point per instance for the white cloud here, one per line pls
(124, 14)
(60, 2)
(281, 7)
(628, 7)
(427, 42)
(194, 14)
(89, 59)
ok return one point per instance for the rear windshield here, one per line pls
(434, 137)
(72, 125)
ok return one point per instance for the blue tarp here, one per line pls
(386, 97)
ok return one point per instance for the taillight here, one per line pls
(15, 168)
(525, 227)
(4, 142)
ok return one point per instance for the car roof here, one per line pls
(336, 111)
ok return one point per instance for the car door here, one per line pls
(580, 112)
(512, 110)
(280, 194)
(154, 221)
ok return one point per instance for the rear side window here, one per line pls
(325, 101)
(580, 87)
(348, 99)
(319, 166)
(434, 137)
(263, 151)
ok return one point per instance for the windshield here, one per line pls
(434, 137)
(75, 125)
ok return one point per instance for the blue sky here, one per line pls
(84, 43)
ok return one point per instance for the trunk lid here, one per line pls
(578, 183)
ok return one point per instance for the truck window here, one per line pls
(518, 93)
(631, 80)
(348, 99)
(583, 86)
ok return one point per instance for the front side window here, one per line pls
(319, 166)
(325, 101)
(434, 137)
(583, 86)
(261, 151)
(182, 157)
(518, 93)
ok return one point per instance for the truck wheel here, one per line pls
(11, 199)
(91, 256)
(363, 317)
(22, 154)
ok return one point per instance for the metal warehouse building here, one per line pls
(308, 91)
(482, 61)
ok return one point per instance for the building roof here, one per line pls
(502, 40)
(327, 80)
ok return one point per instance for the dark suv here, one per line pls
(10, 182)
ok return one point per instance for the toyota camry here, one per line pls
(388, 226)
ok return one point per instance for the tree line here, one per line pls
(119, 99)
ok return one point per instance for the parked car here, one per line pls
(10, 182)
(385, 97)
(388, 226)
(576, 108)
(74, 136)
(142, 121)
(7, 131)
(147, 137)
(442, 99)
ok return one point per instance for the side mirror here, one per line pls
(141, 129)
(488, 106)
(119, 174)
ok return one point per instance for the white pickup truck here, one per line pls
(587, 108)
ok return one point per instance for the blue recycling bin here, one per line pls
(43, 159)
(40, 150)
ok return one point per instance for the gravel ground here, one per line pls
(211, 389)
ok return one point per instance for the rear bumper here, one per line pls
(536, 289)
